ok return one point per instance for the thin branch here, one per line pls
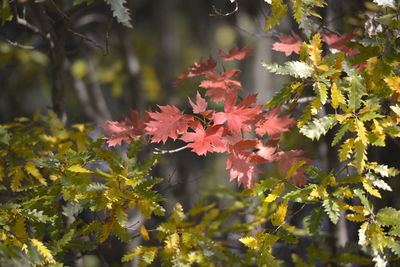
(63, 15)
(108, 37)
(263, 34)
(29, 47)
(130, 227)
(30, 26)
(301, 100)
(87, 39)
(219, 13)
(161, 152)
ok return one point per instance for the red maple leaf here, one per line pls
(239, 162)
(268, 151)
(238, 117)
(170, 122)
(220, 84)
(201, 67)
(337, 42)
(288, 44)
(287, 159)
(200, 106)
(124, 131)
(197, 69)
(204, 140)
(235, 53)
(273, 124)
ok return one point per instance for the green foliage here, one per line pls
(278, 11)
(51, 173)
(318, 127)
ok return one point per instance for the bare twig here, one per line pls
(56, 37)
(219, 13)
(300, 101)
(161, 152)
(19, 45)
(108, 37)
(62, 13)
(26, 24)
(87, 39)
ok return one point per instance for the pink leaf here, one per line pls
(273, 124)
(170, 122)
(124, 131)
(220, 84)
(338, 42)
(241, 170)
(197, 69)
(268, 151)
(200, 106)
(287, 159)
(235, 53)
(288, 44)
(238, 117)
(204, 140)
(239, 162)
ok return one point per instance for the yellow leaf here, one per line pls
(20, 229)
(342, 205)
(339, 66)
(318, 192)
(43, 250)
(367, 184)
(394, 83)
(355, 217)
(144, 233)
(188, 239)
(79, 127)
(105, 230)
(346, 149)
(279, 216)
(3, 235)
(362, 237)
(377, 128)
(269, 239)
(1, 172)
(336, 96)
(133, 254)
(314, 49)
(361, 131)
(315, 106)
(78, 169)
(250, 242)
(275, 193)
(30, 167)
(294, 168)
(17, 177)
(311, 109)
(172, 242)
(341, 118)
(360, 157)
(323, 67)
(322, 92)
(359, 209)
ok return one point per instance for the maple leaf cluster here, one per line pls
(207, 130)
(291, 43)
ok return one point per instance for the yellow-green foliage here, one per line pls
(50, 173)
